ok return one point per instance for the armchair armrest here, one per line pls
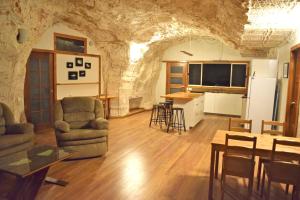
(62, 126)
(19, 128)
(99, 123)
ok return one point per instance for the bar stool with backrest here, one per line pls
(235, 124)
(279, 171)
(238, 161)
(267, 127)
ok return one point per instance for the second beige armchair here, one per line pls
(80, 126)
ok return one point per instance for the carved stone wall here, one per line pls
(113, 25)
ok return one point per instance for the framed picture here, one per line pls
(82, 73)
(285, 70)
(73, 75)
(87, 65)
(79, 62)
(69, 65)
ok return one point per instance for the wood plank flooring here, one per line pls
(142, 163)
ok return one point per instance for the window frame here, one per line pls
(225, 89)
(71, 37)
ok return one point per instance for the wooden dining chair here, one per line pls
(235, 124)
(280, 171)
(272, 128)
(240, 125)
(238, 161)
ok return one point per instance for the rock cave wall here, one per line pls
(113, 25)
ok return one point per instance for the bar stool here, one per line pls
(154, 115)
(176, 120)
(162, 115)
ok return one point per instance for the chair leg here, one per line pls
(287, 187)
(263, 184)
(217, 164)
(259, 173)
(152, 112)
(268, 190)
(223, 182)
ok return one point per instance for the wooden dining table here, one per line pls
(263, 148)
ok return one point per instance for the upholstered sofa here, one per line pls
(13, 137)
(80, 126)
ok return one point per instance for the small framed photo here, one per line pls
(285, 73)
(79, 62)
(73, 75)
(82, 73)
(69, 65)
(87, 65)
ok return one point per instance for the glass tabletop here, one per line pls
(29, 161)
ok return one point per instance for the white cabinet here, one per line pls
(223, 103)
(193, 110)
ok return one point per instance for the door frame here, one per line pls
(52, 84)
(183, 75)
(293, 97)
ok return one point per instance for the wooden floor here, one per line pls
(142, 163)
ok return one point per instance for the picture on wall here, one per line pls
(79, 62)
(87, 65)
(69, 65)
(82, 73)
(73, 75)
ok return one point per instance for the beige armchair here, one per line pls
(13, 137)
(80, 126)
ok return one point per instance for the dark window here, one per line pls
(195, 74)
(70, 45)
(216, 74)
(238, 75)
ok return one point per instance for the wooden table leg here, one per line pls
(211, 172)
(26, 188)
(108, 108)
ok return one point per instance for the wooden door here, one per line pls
(176, 77)
(39, 90)
(292, 106)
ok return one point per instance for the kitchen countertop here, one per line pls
(182, 95)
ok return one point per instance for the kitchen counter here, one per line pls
(183, 95)
(193, 105)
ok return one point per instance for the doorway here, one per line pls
(292, 105)
(38, 91)
(176, 80)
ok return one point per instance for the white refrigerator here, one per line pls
(260, 101)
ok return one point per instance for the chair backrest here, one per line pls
(240, 125)
(272, 124)
(238, 148)
(78, 111)
(6, 117)
(281, 170)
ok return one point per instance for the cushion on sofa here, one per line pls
(81, 142)
(99, 124)
(7, 141)
(62, 126)
(81, 134)
(19, 128)
(78, 104)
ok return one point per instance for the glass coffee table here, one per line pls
(30, 168)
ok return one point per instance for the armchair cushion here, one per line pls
(13, 140)
(81, 134)
(19, 128)
(62, 126)
(99, 124)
